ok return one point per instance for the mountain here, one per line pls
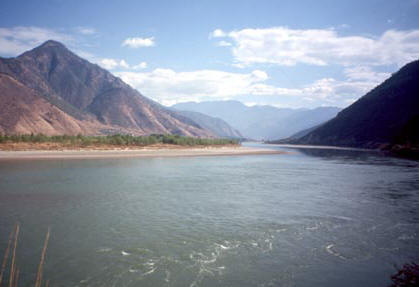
(387, 115)
(303, 133)
(215, 125)
(24, 111)
(262, 122)
(77, 96)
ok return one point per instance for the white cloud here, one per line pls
(269, 90)
(138, 42)
(86, 30)
(334, 92)
(169, 87)
(224, 44)
(123, 64)
(111, 64)
(344, 26)
(16, 40)
(108, 64)
(217, 33)
(364, 73)
(117, 64)
(288, 47)
(140, 66)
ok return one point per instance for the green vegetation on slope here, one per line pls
(118, 140)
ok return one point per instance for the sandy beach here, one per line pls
(131, 153)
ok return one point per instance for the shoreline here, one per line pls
(146, 152)
(301, 146)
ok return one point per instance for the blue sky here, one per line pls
(282, 53)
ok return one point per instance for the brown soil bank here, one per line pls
(121, 152)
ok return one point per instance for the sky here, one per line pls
(297, 54)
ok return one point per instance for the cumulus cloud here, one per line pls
(224, 44)
(363, 73)
(137, 42)
(288, 47)
(140, 66)
(117, 64)
(169, 87)
(16, 40)
(217, 33)
(111, 64)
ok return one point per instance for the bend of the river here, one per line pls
(312, 217)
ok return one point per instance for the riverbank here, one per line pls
(148, 151)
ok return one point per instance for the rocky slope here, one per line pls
(94, 100)
(217, 126)
(387, 115)
(24, 111)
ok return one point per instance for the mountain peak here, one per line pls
(87, 98)
(48, 46)
(52, 43)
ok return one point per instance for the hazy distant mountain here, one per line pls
(51, 90)
(216, 125)
(388, 114)
(262, 122)
(302, 133)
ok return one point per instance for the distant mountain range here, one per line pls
(262, 122)
(215, 125)
(51, 90)
(386, 116)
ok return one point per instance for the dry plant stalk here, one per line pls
(16, 277)
(6, 254)
(13, 266)
(41, 263)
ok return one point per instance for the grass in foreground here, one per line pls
(9, 273)
(115, 140)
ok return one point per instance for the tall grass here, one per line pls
(117, 140)
(14, 271)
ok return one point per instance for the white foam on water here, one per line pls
(167, 278)
(150, 263)
(206, 263)
(149, 272)
(104, 250)
(125, 253)
(406, 237)
(330, 250)
(312, 227)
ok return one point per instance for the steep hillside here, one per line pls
(23, 111)
(386, 115)
(87, 92)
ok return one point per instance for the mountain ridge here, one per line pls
(213, 124)
(89, 93)
(386, 115)
(262, 122)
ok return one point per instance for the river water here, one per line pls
(311, 217)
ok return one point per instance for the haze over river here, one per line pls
(308, 218)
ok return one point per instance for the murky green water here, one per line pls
(310, 218)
